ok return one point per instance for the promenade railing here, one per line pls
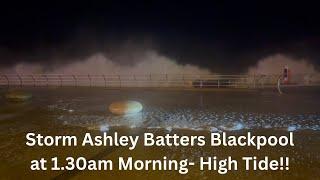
(156, 80)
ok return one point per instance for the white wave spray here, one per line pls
(150, 62)
(274, 64)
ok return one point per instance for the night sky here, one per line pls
(222, 36)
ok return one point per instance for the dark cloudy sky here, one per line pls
(223, 36)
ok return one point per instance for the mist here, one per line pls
(148, 62)
(274, 64)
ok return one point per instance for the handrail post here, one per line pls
(254, 81)
(183, 80)
(20, 79)
(90, 80)
(135, 80)
(75, 80)
(47, 79)
(119, 81)
(150, 80)
(105, 81)
(34, 80)
(167, 80)
(60, 78)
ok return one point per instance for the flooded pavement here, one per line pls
(75, 111)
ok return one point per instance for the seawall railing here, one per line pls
(156, 80)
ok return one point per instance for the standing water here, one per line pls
(75, 111)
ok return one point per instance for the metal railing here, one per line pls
(155, 80)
